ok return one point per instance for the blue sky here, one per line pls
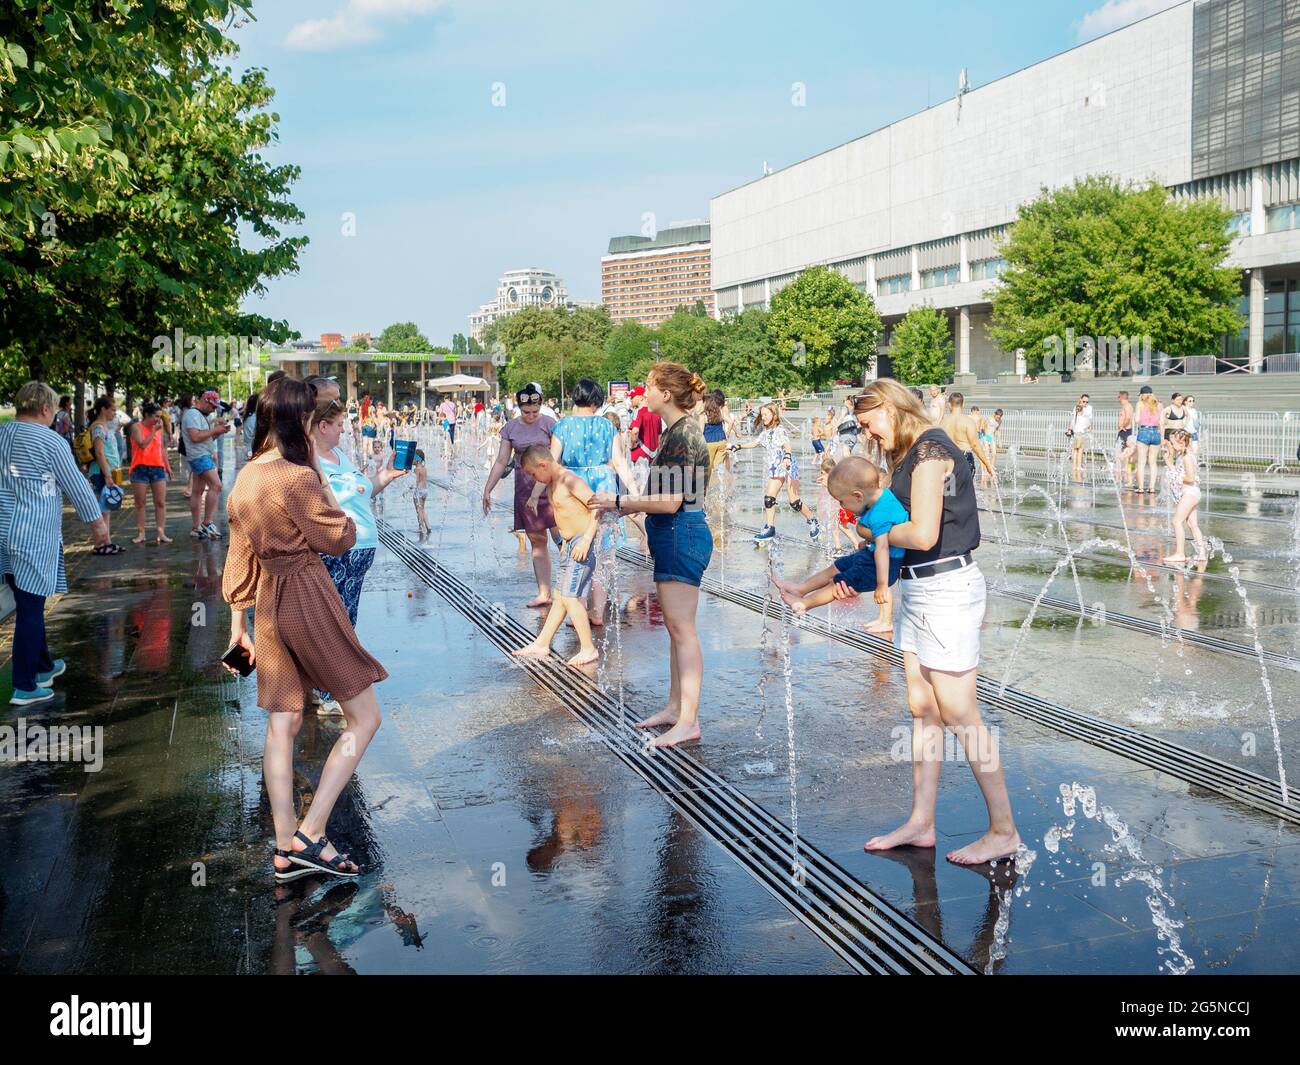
(611, 110)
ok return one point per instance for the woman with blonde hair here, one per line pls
(679, 539)
(1149, 439)
(937, 624)
(782, 468)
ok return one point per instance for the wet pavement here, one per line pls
(500, 835)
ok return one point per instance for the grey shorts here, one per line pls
(575, 581)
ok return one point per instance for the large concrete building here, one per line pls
(1203, 97)
(645, 279)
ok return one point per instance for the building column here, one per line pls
(916, 270)
(1256, 348)
(871, 276)
(351, 379)
(767, 293)
(390, 384)
(963, 340)
(423, 366)
(1258, 213)
(964, 261)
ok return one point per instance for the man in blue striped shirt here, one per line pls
(36, 471)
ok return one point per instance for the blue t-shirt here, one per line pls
(352, 490)
(882, 517)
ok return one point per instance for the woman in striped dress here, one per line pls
(36, 471)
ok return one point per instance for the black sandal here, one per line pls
(109, 549)
(311, 858)
(293, 872)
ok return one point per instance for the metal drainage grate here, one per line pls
(863, 929)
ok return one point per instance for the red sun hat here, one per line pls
(638, 391)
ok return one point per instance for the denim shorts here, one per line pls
(575, 581)
(148, 474)
(1148, 434)
(858, 570)
(201, 464)
(680, 544)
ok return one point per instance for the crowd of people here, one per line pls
(898, 468)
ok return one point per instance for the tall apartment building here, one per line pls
(645, 279)
(1204, 97)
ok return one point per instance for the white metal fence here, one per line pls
(1263, 438)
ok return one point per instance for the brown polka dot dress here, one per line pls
(280, 524)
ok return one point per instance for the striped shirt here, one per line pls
(36, 471)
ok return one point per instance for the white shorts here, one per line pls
(939, 619)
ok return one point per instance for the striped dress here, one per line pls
(36, 471)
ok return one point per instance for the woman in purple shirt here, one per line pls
(517, 435)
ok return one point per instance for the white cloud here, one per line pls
(1114, 14)
(354, 24)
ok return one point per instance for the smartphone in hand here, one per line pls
(236, 657)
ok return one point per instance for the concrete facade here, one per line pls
(913, 213)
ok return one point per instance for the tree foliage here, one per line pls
(166, 218)
(921, 348)
(1105, 259)
(828, 327)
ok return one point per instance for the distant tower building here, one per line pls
(517, 289)
(645, 279)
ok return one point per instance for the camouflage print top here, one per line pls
(682, 463)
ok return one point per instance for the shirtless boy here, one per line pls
(569, 494)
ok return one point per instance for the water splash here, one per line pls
(776, 569)
(1018, 871)
(1076, 798)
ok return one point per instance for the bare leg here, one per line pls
(138, 491)
(160, 511)
(361, 713)
(672, 710)
(587, 654)
(541, 567)
(277, 774)
(769, 513)
(927, 755)
(214, 496)
(960, 712)
(680, 602)
(792, 492)
(541, 646)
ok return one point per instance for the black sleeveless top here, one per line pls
(959, 528)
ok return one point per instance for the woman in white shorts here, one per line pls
(937, 622)
(1185, 490)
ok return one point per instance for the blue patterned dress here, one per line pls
(588, 447)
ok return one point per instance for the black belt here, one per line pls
(933, 569)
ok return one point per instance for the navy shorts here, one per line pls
(818, 447)
(858, 570)
(680, 544)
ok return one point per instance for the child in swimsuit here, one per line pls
(420, 492)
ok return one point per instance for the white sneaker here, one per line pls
(212, 531)
(329, 708)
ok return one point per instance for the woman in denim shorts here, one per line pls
(680, 542)
(150, 471)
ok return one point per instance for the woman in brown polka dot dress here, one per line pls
(283, 516)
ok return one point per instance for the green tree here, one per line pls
(1104, 259)
(140, 224)
(628, 352)
(746, 362)
(458, 345)
(550, 361)
(829, 328)
(403, 338)
(921, 348)
(688, 338)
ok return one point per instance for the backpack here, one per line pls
(83, 447)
